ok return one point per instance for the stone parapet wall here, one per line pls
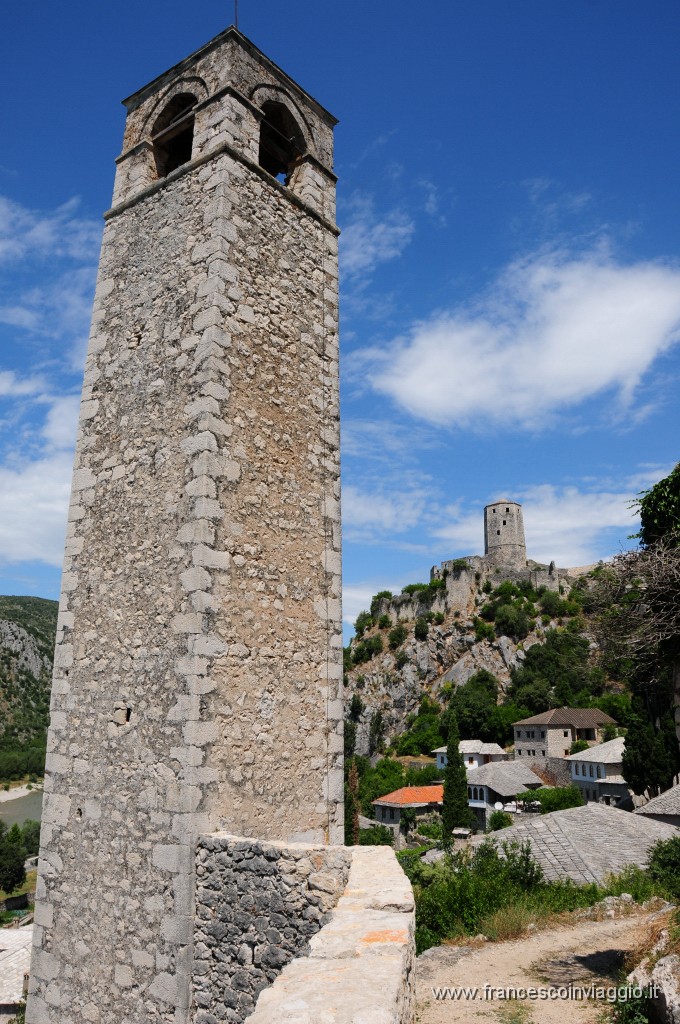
(257, 906)
(361, 965)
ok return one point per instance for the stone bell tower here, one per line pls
(199, 662)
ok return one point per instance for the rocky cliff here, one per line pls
(27, 632)
(445, 639)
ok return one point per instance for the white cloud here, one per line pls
(553, 331)
(57, 234)
(61, 422)
(33, 506)
(383, 510)
(58, 308)
(367, 239)
(12, 386)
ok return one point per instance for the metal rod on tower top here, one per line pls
(236, 13)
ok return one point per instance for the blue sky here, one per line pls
(510, 264)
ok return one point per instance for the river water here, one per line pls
(22, 809)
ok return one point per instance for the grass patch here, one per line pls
(508, 922)
(514, 1013)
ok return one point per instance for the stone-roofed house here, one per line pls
(475, 754)
(422, 799)
(552, 733)
(498, 782)
(665, 807)
(598, 773)
(587, 843)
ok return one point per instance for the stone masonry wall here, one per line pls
(257, 906)
(198, 663)
(361, 965)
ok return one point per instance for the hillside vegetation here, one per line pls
(27, 633)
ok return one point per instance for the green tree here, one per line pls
(350, 737)
(352, 812)
(659, 509)
(12, 873)
(376, 732)
(356, 707)
(30, 837)
(578, 745)
(455, 810)
(474, 703)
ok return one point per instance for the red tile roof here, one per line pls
(413, 795)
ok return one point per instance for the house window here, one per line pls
(281, 142)
(498, 532)
(566, 732)
(566, 752)
(172, 135)
(469, 792)
(391, 813)
(599, 771)
(543, 753)
(542, 734)
(519, 753)
(507, 510)
(592, 773)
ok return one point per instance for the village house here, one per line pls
(498, 783)
(421, 799)
(474, 752)
(552, 733)
(598, 773)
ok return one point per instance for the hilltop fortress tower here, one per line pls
(198, 665)
(504, 542)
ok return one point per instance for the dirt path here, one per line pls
(590, 953)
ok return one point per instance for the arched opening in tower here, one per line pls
(281, 142)
(173, 134)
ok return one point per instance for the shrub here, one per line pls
(483, 630)
(439, 618)
(512, 621)
(362, 622)
(396, 636)
(414, 588)
(380, 835)
(421, 629)
(499, 820)
(384, 622)
(459, 565)
(578, 745)
(401, 659)
(664, 866)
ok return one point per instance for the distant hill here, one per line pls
(28, 628)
